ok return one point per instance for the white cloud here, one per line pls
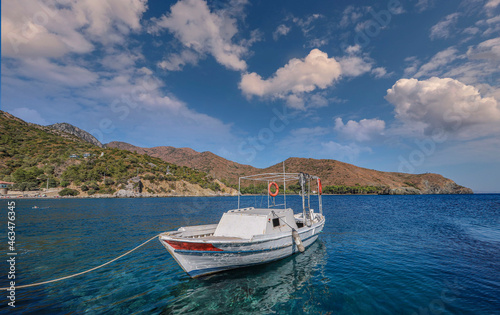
(315, 71)
(281, 30)
(352, 15)
(80, 65)
(296, 102)
(145, 71)
(380, 72)
(444, 105)
(411, 66)
(489, 50)
(489, 26)
(110, 18)
(29, 115)
(444, 28)
(299, 77)
(307, 24)
(204, 32)
(471, 30)
(439, 60)
(317, 42)
(314, 28)
(176, 62)
(475, 67)
(354, 49)
(354, 66)
(491, 4)
(318, 100)
(423, 5)
(121, 60)
(34, 29)
(364, 130)
(65, 75)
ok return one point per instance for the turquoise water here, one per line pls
(377, 255)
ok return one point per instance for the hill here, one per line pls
(342, 176)
(40, 157)
(337, 177)
(64, 156)
(218, 167)
(79, 133)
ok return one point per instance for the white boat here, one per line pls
(249, 236)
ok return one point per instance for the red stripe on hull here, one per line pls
(193, 246)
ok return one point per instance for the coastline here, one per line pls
(107, 196)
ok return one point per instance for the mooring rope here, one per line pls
(83, 272)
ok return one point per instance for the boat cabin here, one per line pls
(248, 222)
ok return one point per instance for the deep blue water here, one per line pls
(377, 255)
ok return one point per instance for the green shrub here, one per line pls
(53, 183)
(25, 186)
(64, 183)
(68, 192)
(149, 177)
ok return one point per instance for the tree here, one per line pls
(68, 192)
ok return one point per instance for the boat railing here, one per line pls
(305, 186)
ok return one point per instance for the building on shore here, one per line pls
(4, 187)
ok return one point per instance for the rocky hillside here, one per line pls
(34, 156)
(339, 175)
(39, 158)
(216, 166)
(82, 134)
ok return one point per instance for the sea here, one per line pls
(425, 254)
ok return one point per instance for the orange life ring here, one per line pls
(320, 187)
(269, 189)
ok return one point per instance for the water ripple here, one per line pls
(377, 255)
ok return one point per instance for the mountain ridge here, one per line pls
(206, 161)
(80, 133)
(332, 172)
(57, 154)
(43, 160)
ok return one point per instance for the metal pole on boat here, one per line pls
(284, 184)
(303, 193)
(309, 199)
(319, 199)
(239, 191)
(268, 194)
(309, 193)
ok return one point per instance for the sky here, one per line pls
(397, 85)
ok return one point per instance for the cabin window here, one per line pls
(276, 222)
(300, 224)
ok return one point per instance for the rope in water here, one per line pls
(83, 272)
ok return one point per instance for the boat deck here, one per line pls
(255, 211)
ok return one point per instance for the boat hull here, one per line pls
(207, 255)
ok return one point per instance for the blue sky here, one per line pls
(409, 86)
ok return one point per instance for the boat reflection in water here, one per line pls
(259, 289)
